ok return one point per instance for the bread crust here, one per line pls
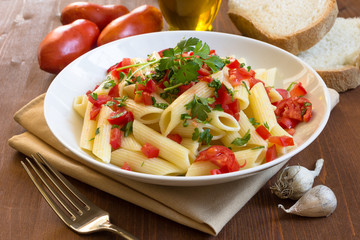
(296, 42)
(342, 79)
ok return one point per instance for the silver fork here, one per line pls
(77, 212)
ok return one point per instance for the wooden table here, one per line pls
(26, 215)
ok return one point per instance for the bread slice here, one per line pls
(337, 56)
(293, 25)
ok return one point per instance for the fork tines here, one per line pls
(75, 203)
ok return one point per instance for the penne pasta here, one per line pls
(80, 104)
(140, 163)
(168, 149)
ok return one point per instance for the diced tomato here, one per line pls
(234, 109)
(115, 74)
(284, 94)
(234, 63)
(221, 156)
(149, 150)
(263, 132)
(287, 123)
(212, 52)
(290, 131)
(100, 99)
(271, 153)
(126, 166)
(175, 137)
(123, 63)
(113, 67)
(207, 79)
(114, 91)
(253, 81)
(150, 86)
(120, 117)
(183, 88)
(224, 95)
(298, 90)
(283, 141)
(297, 108)
(115, 138)
(215, 172)
(146, 97)
(138, 98)
(94, 112)
(203, 72)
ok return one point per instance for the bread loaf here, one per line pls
(337, 56)
(293, 25)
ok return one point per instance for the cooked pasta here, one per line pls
(186, 111)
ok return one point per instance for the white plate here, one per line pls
(88, 70)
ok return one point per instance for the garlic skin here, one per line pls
(294, 181)
(320, 201)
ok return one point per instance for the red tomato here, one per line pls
(287, 123)
(125, 62)
(236, 75)
(221, 156)
(224, 96)
(66, 43)
(175, 137)
(298, 90)
(115, 138)
(143, 19)
(284, 94)
(114, 91)
(207, 79)
(100, 100)
(203, 72)
(149, 150)
(120, 117)
(151, 86)
(297, 108)
(146, 97)
(282, 140)
(126, 166)
(94, 112)
(263, 132)
(215, 172)
(183, 88)
(101, 15)
(253, 81)
(271, 153)
(234, 63)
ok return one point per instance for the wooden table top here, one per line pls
(26, 215)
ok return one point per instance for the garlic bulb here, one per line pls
(320, 201)
(294, 181)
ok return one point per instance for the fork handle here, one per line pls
(108, 226)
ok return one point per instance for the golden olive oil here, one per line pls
(189, 14)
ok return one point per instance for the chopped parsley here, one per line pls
(204, 136)
(242, 141)
(200, 107)
(254, 122)
(127, 129)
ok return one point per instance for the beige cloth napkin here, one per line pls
(189, 206)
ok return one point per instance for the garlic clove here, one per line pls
(319, 201)
(294, 181)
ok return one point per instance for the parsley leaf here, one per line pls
(215, 63)
(200, 107)
(217, 85)
(242, 141)
(109, 84)
(201, 50)
(204, 136)
(127, 129)
(186, 73)
(253, 122)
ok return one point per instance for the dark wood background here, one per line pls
(24, 214)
